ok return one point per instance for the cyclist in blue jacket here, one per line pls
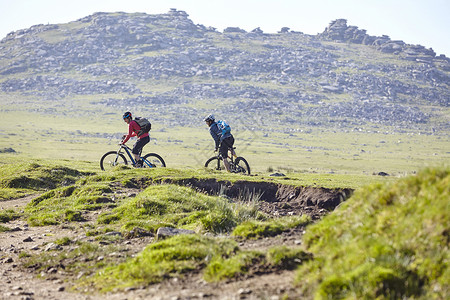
(223, 138)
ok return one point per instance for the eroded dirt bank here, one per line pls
(274, 198)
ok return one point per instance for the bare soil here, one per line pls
(19, 282)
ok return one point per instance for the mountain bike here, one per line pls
(237, 164)
(112, 159)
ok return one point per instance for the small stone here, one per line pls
(243, 291)
(52, 246)
(277, 174)
(8, 260)
(113, 233)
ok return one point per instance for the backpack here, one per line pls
(144, 124)
(223, 125)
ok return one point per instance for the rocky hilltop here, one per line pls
(342, 77)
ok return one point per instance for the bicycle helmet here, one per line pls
(127, 115)
(209, 118)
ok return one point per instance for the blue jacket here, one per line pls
(216, 134)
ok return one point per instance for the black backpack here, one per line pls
(144, 124)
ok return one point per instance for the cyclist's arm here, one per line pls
(215, 133)
(131, 132)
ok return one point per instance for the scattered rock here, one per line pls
(52, 247)
(244, 291)
(7, 260)
(113, 233)
(164, 232)
(277, 174)
(7, 150)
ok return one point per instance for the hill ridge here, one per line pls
(340, 78)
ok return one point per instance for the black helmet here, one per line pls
(209, 118)
(127, 115)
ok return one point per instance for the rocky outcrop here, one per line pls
(109, 54)
(338, 30)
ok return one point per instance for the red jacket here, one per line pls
(133, 129)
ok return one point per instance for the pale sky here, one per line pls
(424, 22)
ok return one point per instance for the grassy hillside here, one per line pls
(389, 241)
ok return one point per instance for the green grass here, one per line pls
(258, 229)
(248, 262)
(67, 204)
(176, 206)
(222, 268)
(19, 179)
(73, 132)
(66, 194)
(4, 228)
(286, 257)
(216, 258)
(172, 257)
(387, 241)
(8, 215)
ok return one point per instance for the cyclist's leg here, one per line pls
(224, 146)
(137, 149)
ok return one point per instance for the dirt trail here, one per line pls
(21, 283)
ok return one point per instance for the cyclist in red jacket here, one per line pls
(133, 129)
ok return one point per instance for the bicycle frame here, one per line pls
(133, 161)
(230, 154)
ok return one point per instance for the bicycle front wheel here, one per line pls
(111, 160)
(241, 166)
(153, 160)
(213, 163)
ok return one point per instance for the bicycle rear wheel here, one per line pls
(112, 159)
(153, 160)
(213, 163)
(241, 166)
